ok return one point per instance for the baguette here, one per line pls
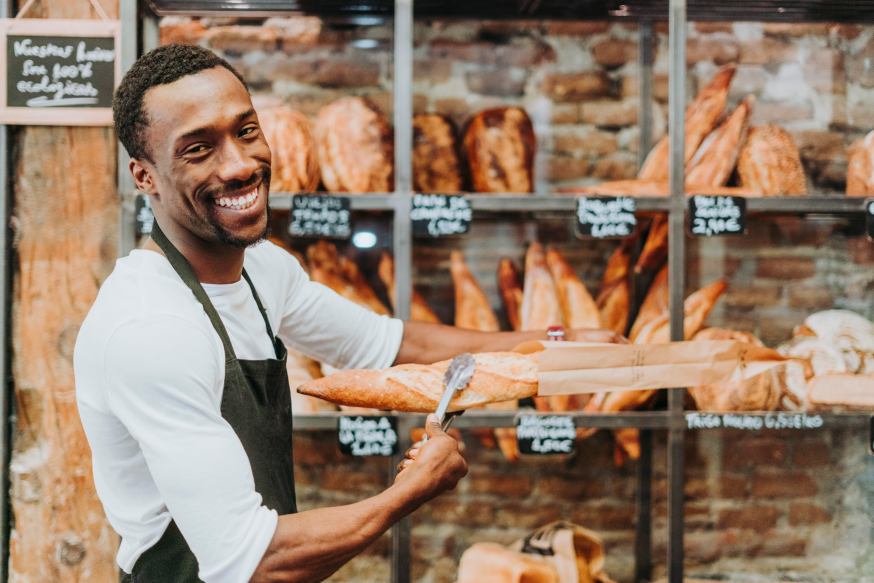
(654, 304)
(499, 376)
(770, 164)
(860, 167)
(472, 309)
(420, 311)
(716, 158)
(511, 291)
(577, 305)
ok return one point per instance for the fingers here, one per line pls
(432, 426)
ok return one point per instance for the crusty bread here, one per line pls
(499, 145)
(770, 163)
(295, 166)
(577, 305)
(860, 167)
(655, 250)
(436, 165)
(843, 391)
(499, 376)
(717, 156)
(511, 291)
(420, 311)
(654, 304)
(472, 308)
(701, 117)
(540, 308)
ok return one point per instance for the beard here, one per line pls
(228, 237)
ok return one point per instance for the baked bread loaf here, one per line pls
(356, 147)
(702, 115)
(614, 299)
(540, 308)
(436, 166)
(472, 309)
(491, 563)
(770, 164)
(499, 376)
(655, 250)
(841, 391)
(499, 146)
(511, 291)
(860, 167)
(295, 166)
(717, 156)
(420, 311)
(577, 305)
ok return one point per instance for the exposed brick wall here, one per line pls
(793, 506)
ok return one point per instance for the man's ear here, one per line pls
(142, 173)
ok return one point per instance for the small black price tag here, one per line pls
(368, 435)
(545, 434)
(869, 218)
(143, 215)
(322, 216)
(606, 217)
(711, 216)
(440, 215)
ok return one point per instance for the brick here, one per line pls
(609, 113)
(753, 296)
(785, 484)
(183, 32)
(605, 517)
(733, 486)
(454, 107)
(503, 82)
(513, 486)
(514, 515)
(805, 513)
(819, 145)
(454, 510)
(848, 31)
(432, 70)
(796, 30)
(782, 544)
(767, 51)
(781, 112)
(749, 453)
(614, 52)
(343, 478)
(859, 65)
(522, 52)
(572, 488)
(420, 103)
(592, 143)
(861, 115)
(758, 518)
(567, 168)
(296, 31)
(709, 27)
(720, 50)
(338, 73)
(242, 39)
(660, 87)
(705, 546)
(564, 113)
(747, 79)
(825, 71)
(696, 488)
(576, 27)
(564, 87)
(787, 267)
(774, 330)
(810, 298)
(861, 250)
(616, 166)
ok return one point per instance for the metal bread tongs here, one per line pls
(457, 376)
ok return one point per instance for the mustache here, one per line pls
(262, 174)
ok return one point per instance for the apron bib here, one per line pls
(256, 402)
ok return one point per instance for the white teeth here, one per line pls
(238, 202)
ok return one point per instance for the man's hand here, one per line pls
(436, 465)
(596, 335)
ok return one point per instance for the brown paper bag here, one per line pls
(493, 563)
(576, 553)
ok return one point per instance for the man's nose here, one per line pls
(236, 163)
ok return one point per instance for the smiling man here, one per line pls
(180, 364)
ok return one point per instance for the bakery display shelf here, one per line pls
(492, 419)
(358, 202)
(807, 204)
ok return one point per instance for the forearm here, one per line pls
(310, 546)
(426, 343)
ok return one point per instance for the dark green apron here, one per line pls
(256, 402)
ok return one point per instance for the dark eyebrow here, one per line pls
(196, 132)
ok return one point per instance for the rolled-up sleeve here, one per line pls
(170, 403)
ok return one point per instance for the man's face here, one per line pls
(211, 163)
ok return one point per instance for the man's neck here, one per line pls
(212, 263)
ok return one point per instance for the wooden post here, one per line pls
(65, 211)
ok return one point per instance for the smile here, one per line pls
(239, 203)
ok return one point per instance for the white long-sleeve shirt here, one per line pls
(149, 373)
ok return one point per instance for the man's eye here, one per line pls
(196, 149)
(248, 131)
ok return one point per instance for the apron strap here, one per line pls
(186, 272)
(260, 305)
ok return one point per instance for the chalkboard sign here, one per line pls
(869, 218)
(606, 217)
(440, 215)
(753, 422)
(370, 435)
(545, 434)
(58, 72)
(710, 216)
(143, 215)
(322, 216)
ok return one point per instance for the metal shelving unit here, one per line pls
(674, 420)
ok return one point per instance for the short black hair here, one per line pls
(160, 66)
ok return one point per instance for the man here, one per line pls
(180, 379)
